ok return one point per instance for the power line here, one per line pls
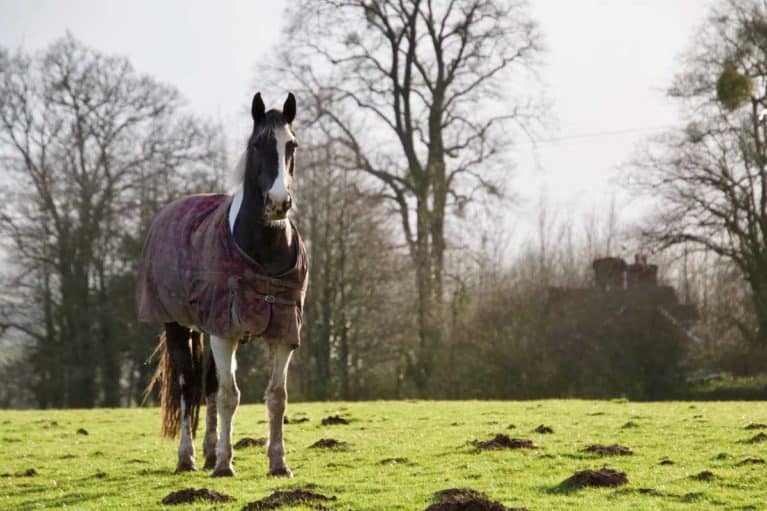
(603, 134)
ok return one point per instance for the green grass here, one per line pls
(123, 464)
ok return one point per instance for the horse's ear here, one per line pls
(289, 108)
(257, 109)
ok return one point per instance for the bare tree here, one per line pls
(421, 94)
(82, 135)
(355, 321)
(711, 177)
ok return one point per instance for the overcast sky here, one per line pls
(607, 65)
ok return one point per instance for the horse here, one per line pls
(232, 267)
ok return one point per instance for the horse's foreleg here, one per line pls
(211, 416)
(227, 400)
(276, 402)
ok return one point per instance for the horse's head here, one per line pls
(270, 156)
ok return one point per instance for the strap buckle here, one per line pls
(269, 299)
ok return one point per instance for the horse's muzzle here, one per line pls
(278, 209)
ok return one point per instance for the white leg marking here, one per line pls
(211, 432)
(276, 402)
(186, 446)
(228, 398)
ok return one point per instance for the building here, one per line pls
(623, 293)
(624, 335)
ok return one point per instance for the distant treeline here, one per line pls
(414, 289)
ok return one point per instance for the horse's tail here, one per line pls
(179, 356)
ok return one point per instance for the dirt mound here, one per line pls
(609, 450)
(750, 460)
(250, 442)
(604, 477)
(511, 426)
(759, 437)
(82, 431)
(189, 495)
(706, 475)
(544, 430)
(756, 425)
(502, 441)
(329, 443)
(290, 498)
(298, 420)
(666, 462)
(630, 425)
(30, 472)
(334, 419)
(466, 499)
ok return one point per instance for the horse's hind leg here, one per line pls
(184, 347)
(211, 415)
(228, 398)
(276, 402)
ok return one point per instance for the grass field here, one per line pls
(401, 453)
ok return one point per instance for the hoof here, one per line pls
(281, 472)
(223, 472)
(185, 466)
(210, 463)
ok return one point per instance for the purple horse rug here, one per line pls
(194, 273)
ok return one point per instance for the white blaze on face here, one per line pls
(279, 190)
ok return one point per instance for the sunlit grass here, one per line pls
(123, 464)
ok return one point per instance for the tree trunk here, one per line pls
(343, 337)
(758, 283)
(110, 365)
(428, 333)
(324, 336)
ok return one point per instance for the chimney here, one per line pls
(609, 273)
(640, 274)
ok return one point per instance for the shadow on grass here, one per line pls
(562, 488)
(628, 492)
(60, 502)
(685, 498)
(692, 497)
(582, 455)
(618, 493)
(156, 472)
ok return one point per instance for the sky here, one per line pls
(605, 71)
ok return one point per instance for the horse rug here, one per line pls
(195, 274)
